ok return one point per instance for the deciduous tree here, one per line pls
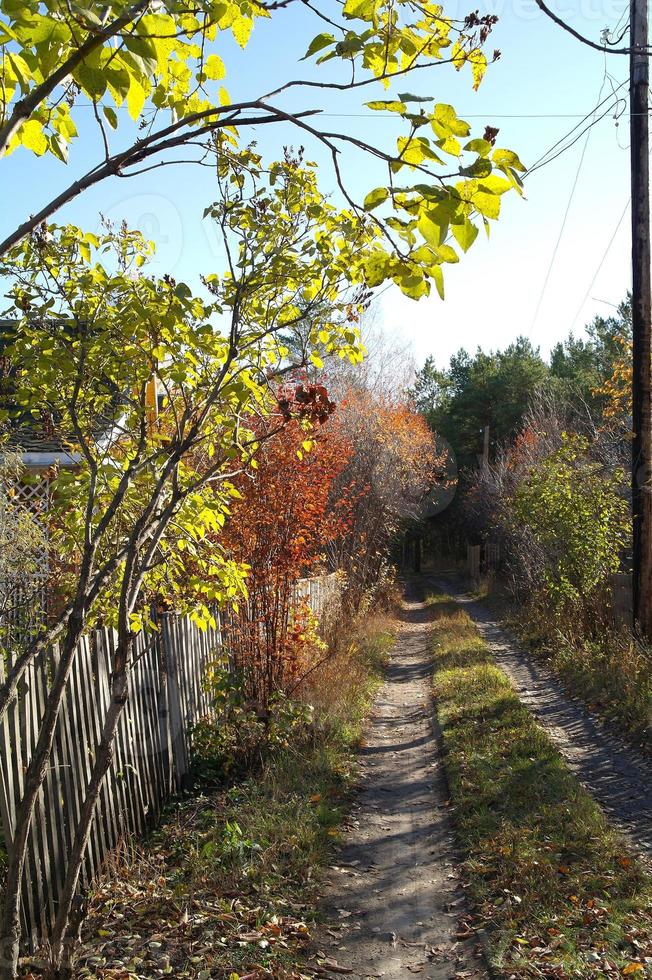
(159, 64)
(91, 333)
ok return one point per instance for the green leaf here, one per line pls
(59, 147)
(375, 197)
(111, 116)
(318, 43)
(408, 97)
(479, 168)
(118, 80)
(430, 228)
(92, 80)
(143, 51)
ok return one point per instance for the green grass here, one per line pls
(554, 885)
(229, 883)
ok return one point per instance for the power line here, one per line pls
(546, 157)
(588, 115)
(566, 213)
(488, 115)
(601, 263)
(561, 233)
(614, 30)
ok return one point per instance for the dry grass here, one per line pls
(610, 672)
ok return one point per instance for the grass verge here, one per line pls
(227, 887)
(553, 884)
(612, 675)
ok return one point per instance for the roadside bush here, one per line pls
(239, 737)
(579, 522)
(557, 501)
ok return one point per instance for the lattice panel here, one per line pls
(23, 591)
(34, 497)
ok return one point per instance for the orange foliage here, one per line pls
(330, 491)
(280, 528)
(392, 465)
(617, 391)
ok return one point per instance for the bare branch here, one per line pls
(580, 37)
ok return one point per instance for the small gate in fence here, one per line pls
(473, 560)
(482, 558)
(152, 747)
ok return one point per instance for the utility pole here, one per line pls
(641, 321)
(485, 447)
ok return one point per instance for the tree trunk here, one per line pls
(103, 759)
(34, 778)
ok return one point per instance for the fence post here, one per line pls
(170, 720)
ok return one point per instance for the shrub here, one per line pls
(579, 520)
(238, 737)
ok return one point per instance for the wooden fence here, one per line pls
(482, 558)
(473, 560)
(152, 748)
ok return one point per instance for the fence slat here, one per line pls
(7, 799)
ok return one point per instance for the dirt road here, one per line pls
(394, 905)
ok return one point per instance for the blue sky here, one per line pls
(543, 84)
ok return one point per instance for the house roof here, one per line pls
(37, 440)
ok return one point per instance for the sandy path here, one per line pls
(393, 903)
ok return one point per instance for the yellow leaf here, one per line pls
(478, 66)
(33, 137)
(486, 204)
(214, 67)
(241, 29)
(438, 276)
(135, 98)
